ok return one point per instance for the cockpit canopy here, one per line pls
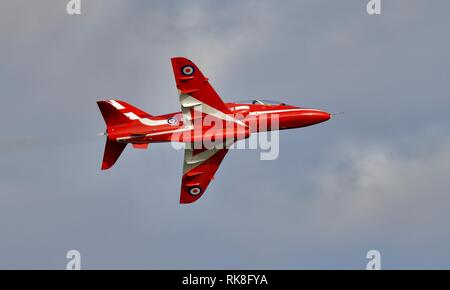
(261, 102)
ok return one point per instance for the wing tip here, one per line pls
(176, 58)
(105, 166)
(179, 61)
(190, 194)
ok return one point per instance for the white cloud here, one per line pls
(215, 42)
(380, 185)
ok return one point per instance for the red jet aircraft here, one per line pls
(203, 117)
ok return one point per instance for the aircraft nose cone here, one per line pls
(317, 116)
(323, 116)
(311, 117)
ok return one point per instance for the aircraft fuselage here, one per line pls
(256, 117)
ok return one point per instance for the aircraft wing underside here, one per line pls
(199, 168)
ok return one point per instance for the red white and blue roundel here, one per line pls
(187, 70)
(196, 190)
(172, 121)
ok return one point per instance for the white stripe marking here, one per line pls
(239, 108)
(116, 105)
(132, 116)
(281, 111)
(146, 121)
(170, 131)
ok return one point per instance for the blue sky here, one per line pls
(374, 178)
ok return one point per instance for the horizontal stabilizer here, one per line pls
(112, 152)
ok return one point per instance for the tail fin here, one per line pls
(116, 112)
(111, 112)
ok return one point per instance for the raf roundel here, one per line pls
(187, 70)
(195, 191)
(172, 121)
